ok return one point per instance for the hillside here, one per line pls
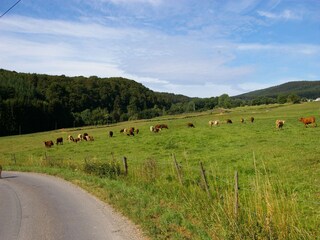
(40, 102)
(304, 89)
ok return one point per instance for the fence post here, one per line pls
(125, 163)
(0, 171)
(204, 178)
(178, 170)
(236, 193)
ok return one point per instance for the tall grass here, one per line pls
(278, 173)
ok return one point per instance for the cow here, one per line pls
(110, 134)
(80, 136)
(241, 120)
(88, 138)
(59, 140)
(48, 144)
(213, 122)
(252, 119)
(308, 120)
(70, 138)
(122, 130)
(279, 124)
(91, 138)
(137, 131)
(229, 121)
(131, 132)
(190, 125)
(160, 126)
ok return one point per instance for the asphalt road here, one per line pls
(41, 207)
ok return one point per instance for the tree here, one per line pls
(293, 98)
(224, 101)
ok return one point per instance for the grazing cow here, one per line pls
(154, 129)
(251, 119)
(59, 140)
(160, 126)
(77, 140)
(90, 138)
(70, 138)
(110, 134)
(122, 130)
(137, 131)
(80, 136)
(279, 124)
(308, 120)
(48, 144)
(241, 120)
(86, 136)
(131, 132)
(229, 121)
(215, 122)
(190, 125)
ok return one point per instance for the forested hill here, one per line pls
(303, 89)
(39, 102)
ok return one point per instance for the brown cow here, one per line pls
(190, 125)
(160, 126)
(110, 134)
(229, 121)
(279, 124)
(252, 119)
(48, 144)
(308, 120)
(241, 120)
(131, 132)
(59, 140)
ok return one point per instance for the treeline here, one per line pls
(38, 102)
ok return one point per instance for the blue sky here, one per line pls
(199, 48)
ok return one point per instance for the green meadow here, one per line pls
(166, 193)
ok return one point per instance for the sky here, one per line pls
(198, 48)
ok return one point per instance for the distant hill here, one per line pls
(304, 89)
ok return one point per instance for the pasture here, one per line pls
(277, 197)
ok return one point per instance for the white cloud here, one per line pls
(285, 15)
(152, 2)
(301, 49)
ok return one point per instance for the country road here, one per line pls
(41, 207)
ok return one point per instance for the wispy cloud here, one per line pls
(284, 15)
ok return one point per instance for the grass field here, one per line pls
(278, 170)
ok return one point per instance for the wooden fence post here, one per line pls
(178, 169)
(236, 194)
(0, 171)
(204, 178)
(125, 164)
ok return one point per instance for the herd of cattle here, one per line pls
(157, 128)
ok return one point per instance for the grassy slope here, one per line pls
(279, 198)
